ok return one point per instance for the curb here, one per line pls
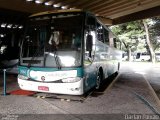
(153, 92)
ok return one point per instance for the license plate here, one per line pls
(43, 88)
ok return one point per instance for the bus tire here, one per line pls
(99, 80)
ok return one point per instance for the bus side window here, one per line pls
(117, 43)
(100, 32)
(90, 21)
(111, 39)
(106, 36)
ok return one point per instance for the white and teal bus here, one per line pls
(66, 52)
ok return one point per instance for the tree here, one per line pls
(133, 33)
(148, 41)
(130, 34)
(154, 31)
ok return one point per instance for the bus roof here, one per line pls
(56, 11)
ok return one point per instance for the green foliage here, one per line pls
(135, 35)
(154, 30)
(130, 34)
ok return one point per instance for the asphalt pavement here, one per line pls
(128, 96)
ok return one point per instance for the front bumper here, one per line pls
(75, 88)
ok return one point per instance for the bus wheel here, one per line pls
(98, 81)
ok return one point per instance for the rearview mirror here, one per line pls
(89, 43)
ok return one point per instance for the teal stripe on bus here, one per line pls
(24, 70)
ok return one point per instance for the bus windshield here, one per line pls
(53, 41)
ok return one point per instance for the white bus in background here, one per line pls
(146, 57)
(142, 57)
(157, 57)
(125, 56)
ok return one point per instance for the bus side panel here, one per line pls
(110, 63)
(104, 58)
(90, 76)
(116, 58)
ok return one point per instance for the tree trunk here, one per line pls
(129, 53)
(152, 54)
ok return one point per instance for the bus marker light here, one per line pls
(43, 88)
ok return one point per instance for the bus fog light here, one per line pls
(71, 80)
(75, 89)
(23, 77)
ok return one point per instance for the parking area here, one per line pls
(129, 93)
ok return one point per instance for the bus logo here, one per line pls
(43, 78)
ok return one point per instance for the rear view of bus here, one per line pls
(51, 54)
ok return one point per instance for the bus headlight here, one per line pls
(71, 80)
(23, 77)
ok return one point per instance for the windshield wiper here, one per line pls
(56, 59)
(55, 55)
